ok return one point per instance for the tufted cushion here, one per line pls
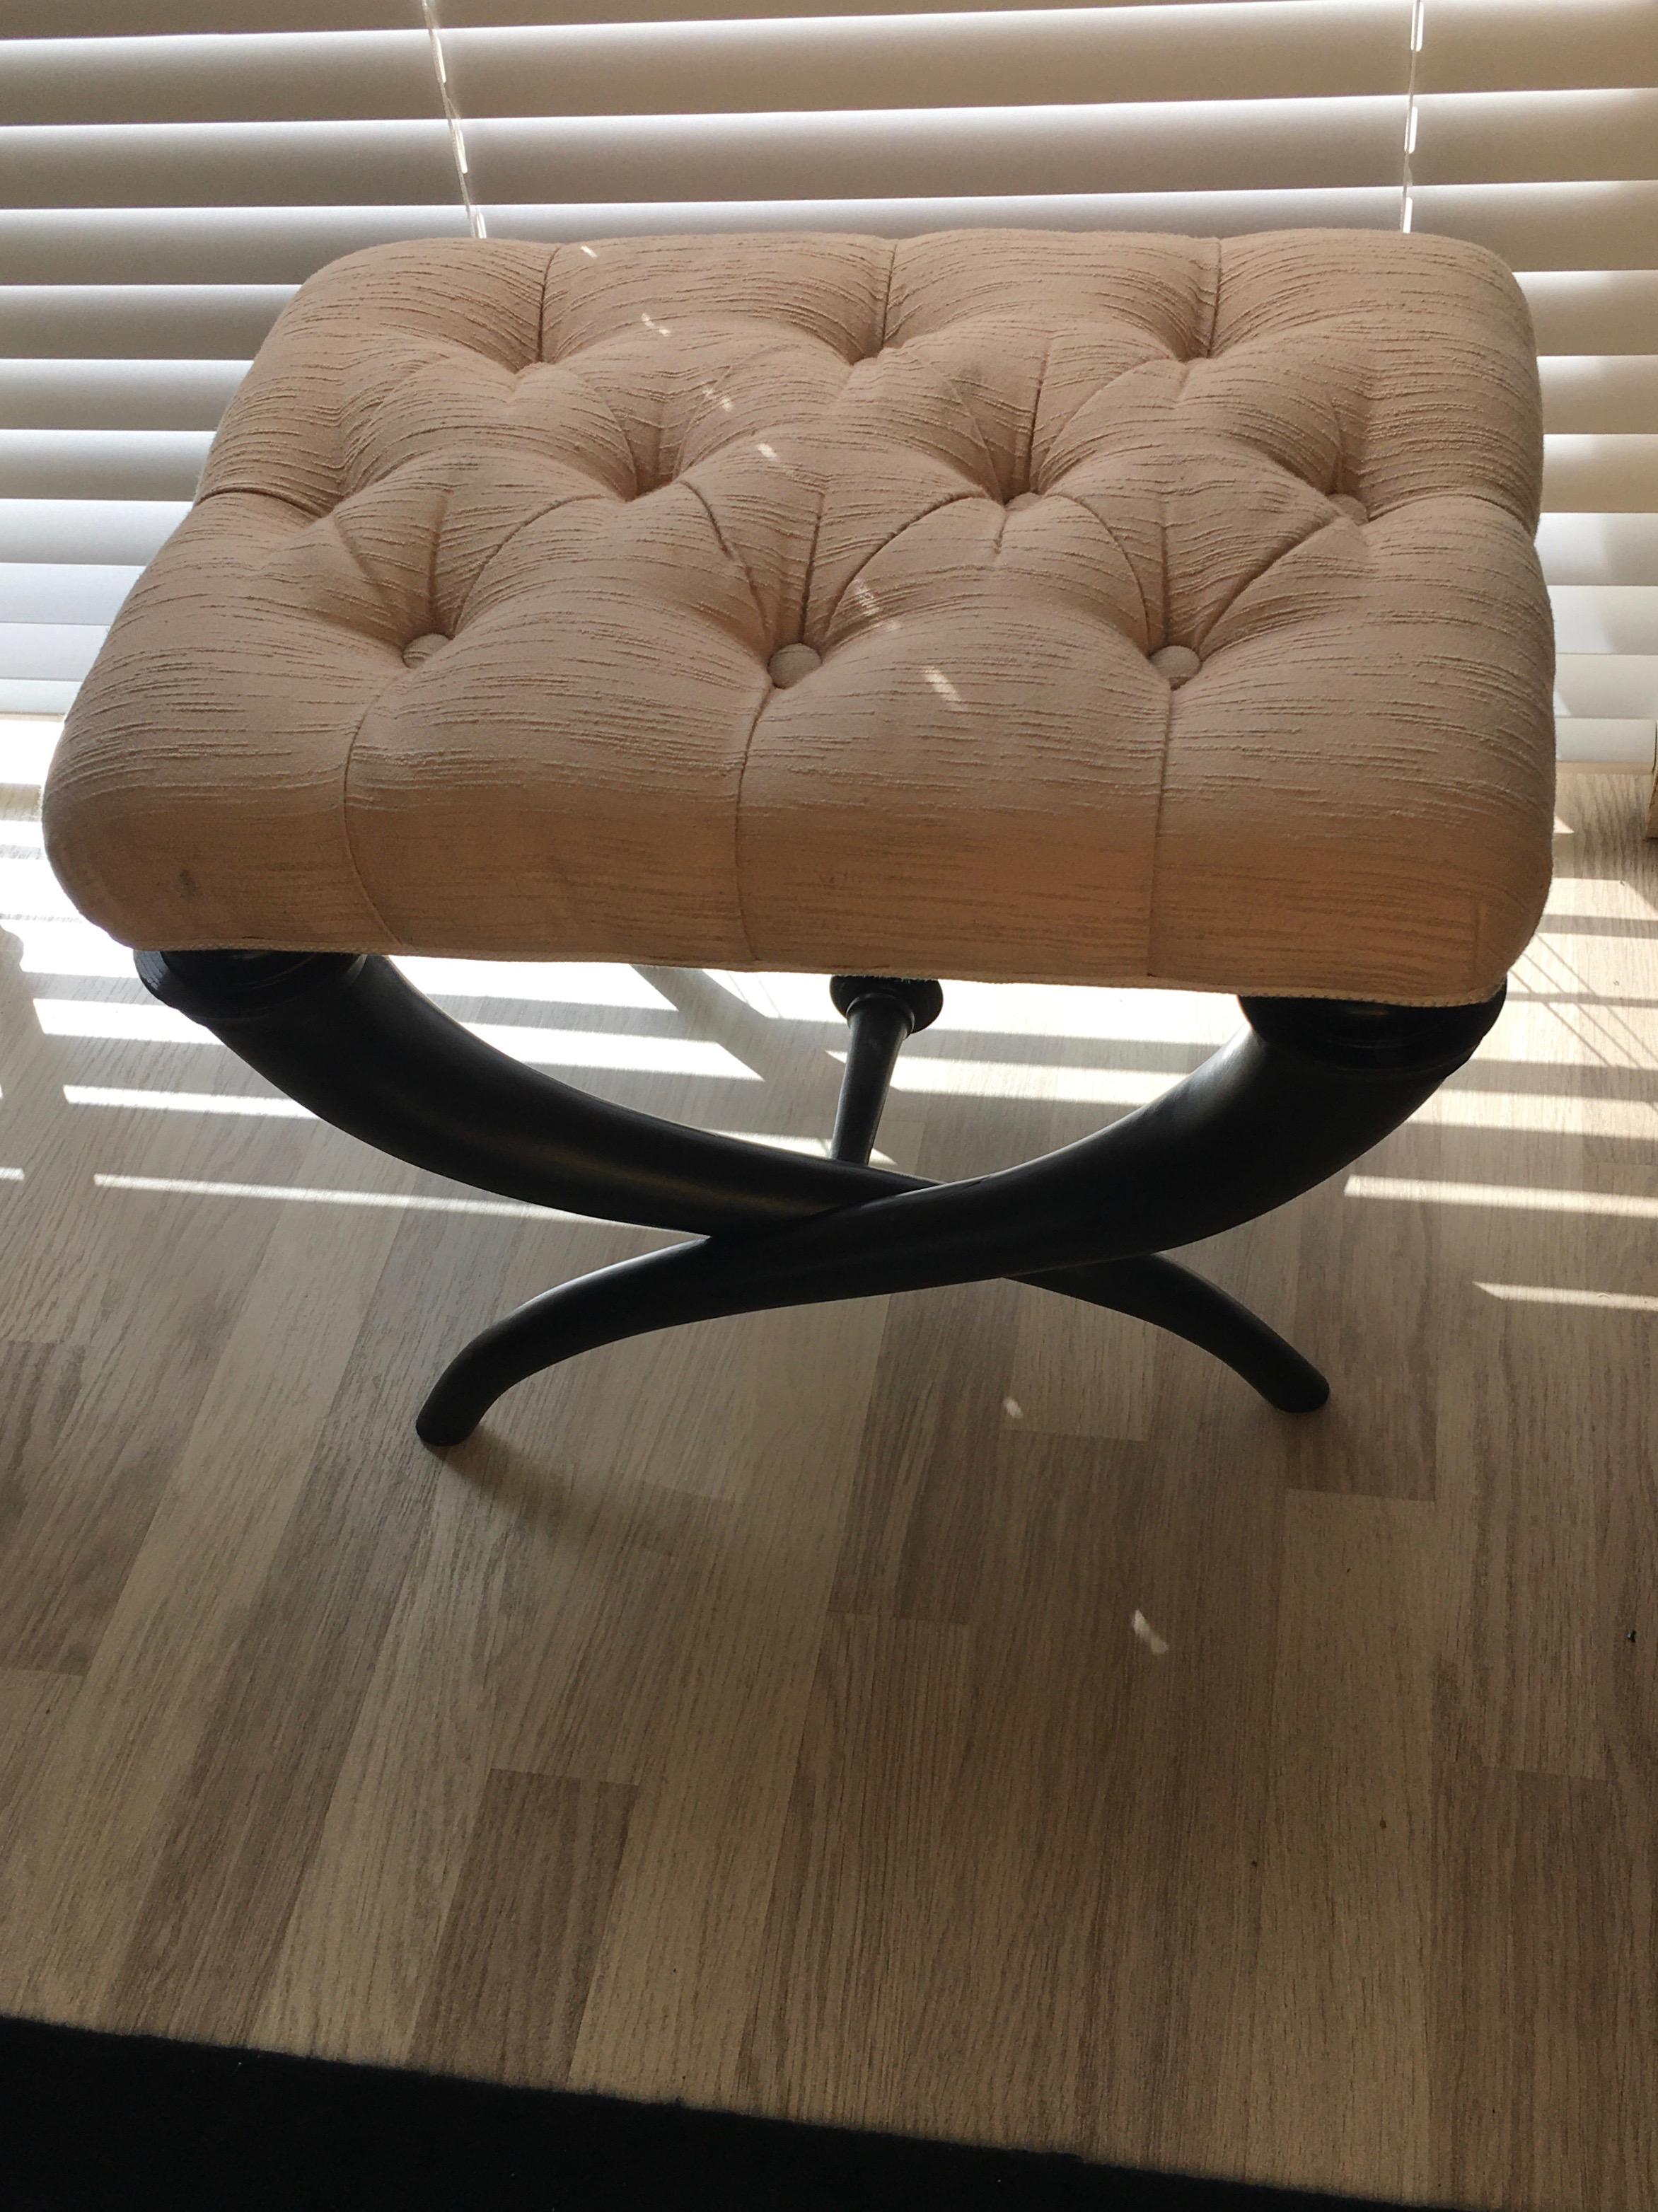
(1098, 608)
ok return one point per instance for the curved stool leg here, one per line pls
(1263, 1120)
(1172, 1297)
(350, 1037)
(1307, 1088)
(636, 1297)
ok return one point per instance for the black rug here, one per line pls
(90, 2121)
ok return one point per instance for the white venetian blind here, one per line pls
(161, 194)
(170, 168)
(1536, 134)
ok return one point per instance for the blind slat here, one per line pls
(202, 322)
(116, 395)
(460, 15)
(350, 75)
(102, 464)
(1605, 225)
(97, 19)
(220, 164)
(1538, 44)
(1210, 214)
(275, 244)
(1599, 311)
(1513, 137)
(1599, 549)
(1611, 475)
(1586, 228)
(1604, 743)
(32, 698)
(75, 592)
(1616, 685)
(1588, 391)
(95, 530)
(1217, 145)
(1285, 48)
(91, 19)
(49, 653)
(1604, 619)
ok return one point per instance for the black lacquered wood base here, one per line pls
(1308, 1085)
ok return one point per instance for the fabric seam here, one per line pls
(737, 824)
(946, 378)
(369, 900)
(730, 551)
(541, 316)
(950, 499)
(605, 401)
(526, 522)
(1036, 409)
(1214, 300)
(1156, 835)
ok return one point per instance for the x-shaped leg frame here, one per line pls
(1307, 1085)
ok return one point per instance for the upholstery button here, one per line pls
(1354, 509)
(1175, 663)
(1021, 499)
(423, 647)
(791, 662)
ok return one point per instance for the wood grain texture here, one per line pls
(507, 1992)
(961, 1713)
(175, 1637)
(248, 1823)
(1539, 2100)
(1342, 1982)
(33, 1706)
(55, 1256)
(676, 1978)
(859, 1906)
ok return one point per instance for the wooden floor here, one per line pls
(961, 1714)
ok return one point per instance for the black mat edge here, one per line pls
(89, 2119)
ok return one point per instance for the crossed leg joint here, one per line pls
(1305, 1087)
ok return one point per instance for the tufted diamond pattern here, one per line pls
(1064, 606)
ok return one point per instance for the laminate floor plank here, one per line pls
(1343, 1980)
(252, 1814)
(34, 1707)
(682, 1957)
(506, 1997)
(86, 1494)
(175, 1639)
(859, 1909)
(1537, 2100)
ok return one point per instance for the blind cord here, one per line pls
(1418, 26)
(452, 116)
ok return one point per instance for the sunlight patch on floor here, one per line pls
(403, 1201)
(1013, 1078)
(186, 1102)
(1518, 1198)
(1543, 1294)
(656, 1055)
(571, 982)
(1550, 1113)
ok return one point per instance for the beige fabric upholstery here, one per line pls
(1171, 610)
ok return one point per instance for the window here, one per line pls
(171, 169)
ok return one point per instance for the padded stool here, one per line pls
(1041, 606)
